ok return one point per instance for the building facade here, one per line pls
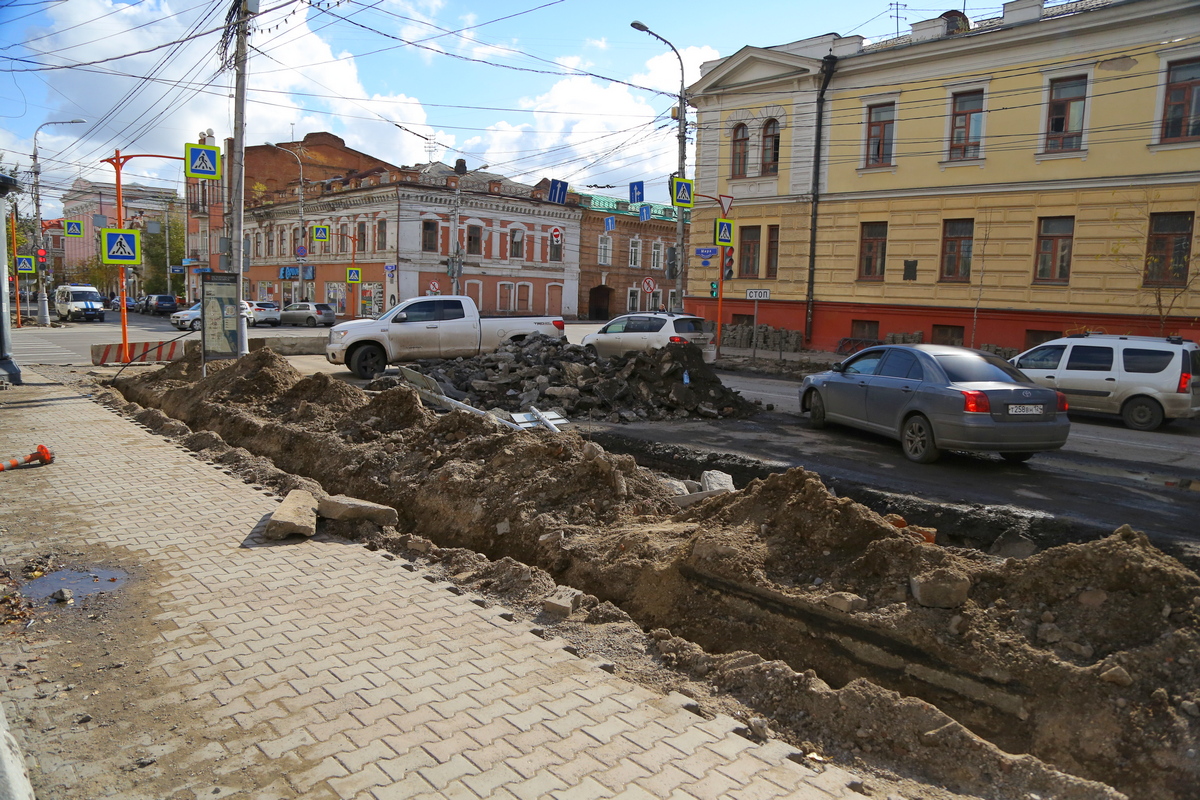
(401, 231)
(974, 183)
(623, 258)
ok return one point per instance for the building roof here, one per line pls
(613, 205)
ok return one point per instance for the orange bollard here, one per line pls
(42, 455)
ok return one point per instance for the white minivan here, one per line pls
(1148, 380)
(78, 301)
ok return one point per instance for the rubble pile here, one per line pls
(673, 382)
(1072, 673)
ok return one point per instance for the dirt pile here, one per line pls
(670, 382)
(840, 626)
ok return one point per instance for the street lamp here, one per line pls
(43, 315)
(303, 226)
(680, 256)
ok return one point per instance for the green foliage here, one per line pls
(154, 255)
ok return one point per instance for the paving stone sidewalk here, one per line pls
(318, 669)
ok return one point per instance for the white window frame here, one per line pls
(1048, 77)
(962, 87)
(517, 234)
(632, 298)
(635, 253)
(604, 250)
(656, 255)
(672, 299)
(528, 288)
(512, 294)
(655, 300)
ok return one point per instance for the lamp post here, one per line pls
(681, 113)
(43, 315)
(303, 226)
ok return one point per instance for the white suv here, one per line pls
(650, 330)
(264, 311)
(1147, 380)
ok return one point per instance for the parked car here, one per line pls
(140, 303)
(310, 314)
(937, 397)
(189, 319)
(265, 312)
(647, 331)
(161, 305)
(1147, 380)
(448, 326)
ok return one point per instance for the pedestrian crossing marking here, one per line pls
(120, 246)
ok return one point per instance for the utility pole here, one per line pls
(455, 268)
(237, 176)
(9, 371)
(43, 314)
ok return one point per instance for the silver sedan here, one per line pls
(310, 314)
(938, 397)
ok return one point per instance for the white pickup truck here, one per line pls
(428, 327)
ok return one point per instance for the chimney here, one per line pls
(495, 187)
(1020, 11)
(928, 30)
(460, 166)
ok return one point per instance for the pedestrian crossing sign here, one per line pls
(25, 264)
(353, 275)
(320, 233)
(202, 161)
(682, 195)
(724, 233)
(72, 227)
(120, 246)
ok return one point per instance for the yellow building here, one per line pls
(1000, 182)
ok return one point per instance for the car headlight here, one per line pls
(336, 335)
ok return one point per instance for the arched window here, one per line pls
(741, 151)
(770, 148)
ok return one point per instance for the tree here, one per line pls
(154, 253)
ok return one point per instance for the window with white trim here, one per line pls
(656, 255)
(631, 299)
(635, 253)
(604, 250)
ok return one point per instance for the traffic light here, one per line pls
(41, 255)
(712, 289)
(727, 263)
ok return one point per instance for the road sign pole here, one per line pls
(754, 333)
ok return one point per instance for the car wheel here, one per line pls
(274, 323)
(916, 437)
(590, 351)
(816, 409)
(311, 322)
(368, 361)
(1142, 414)
(195, 325)
(1016, 458)
(100, 318)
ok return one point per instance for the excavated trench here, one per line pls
(942, 660)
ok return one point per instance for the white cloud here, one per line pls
(599, 44)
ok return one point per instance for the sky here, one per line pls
(532, 89)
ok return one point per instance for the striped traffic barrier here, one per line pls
(139, 352)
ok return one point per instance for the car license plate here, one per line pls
(1032, 409)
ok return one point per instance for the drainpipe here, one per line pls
(828, 65)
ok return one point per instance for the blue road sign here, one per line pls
(25, 264)
(644, 213)
(120, 246)
(176, 270)
(202, 161)
(320, 233)
(706, 252)
(353, 275)
(637, 192)
(682, 194)
(558, 192)
(72, 227)
(610, 223)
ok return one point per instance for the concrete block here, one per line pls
(562, 602)
(340, 506)
(296, 514)
(846, 602)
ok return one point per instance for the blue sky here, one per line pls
(533, 88)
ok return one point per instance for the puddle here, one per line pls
(80, 584)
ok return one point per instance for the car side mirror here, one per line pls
(400, 317)
(838, 367)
